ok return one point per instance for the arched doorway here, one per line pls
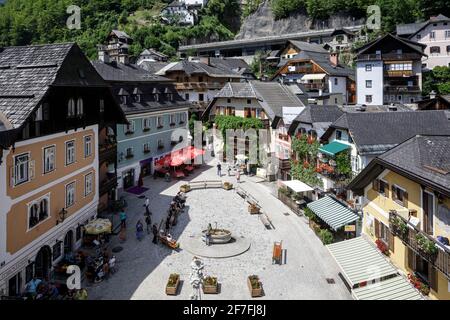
(43, 263)
(68, 242)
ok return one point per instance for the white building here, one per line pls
(388, 70)
(435, 34)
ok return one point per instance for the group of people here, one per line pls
(237, 172)
(101, 267)
(37, 289)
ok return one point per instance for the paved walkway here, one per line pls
(144, 267)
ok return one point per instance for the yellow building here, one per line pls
(406, 206)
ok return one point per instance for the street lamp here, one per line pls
(62, 216)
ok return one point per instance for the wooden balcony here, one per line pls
(401, 89)
(284, 164)
(315, 86)
(440, 260)
(398, 73)
(393, 56)
(108, 184)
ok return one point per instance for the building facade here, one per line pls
(407, 208)
(49, 171)
(389, 70)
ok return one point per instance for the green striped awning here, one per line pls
(397, 288)
(332, 212)
(360, 261)
(334, 147)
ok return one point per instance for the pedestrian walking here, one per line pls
(238, 176)
(219, 169)
(148, 222)
(155, 234)
(147, 206)
(139, 230)
(123, 219)
(229, 170)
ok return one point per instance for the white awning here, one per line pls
(396, 288)
(360, 261)
(297, 185)
(313, 76)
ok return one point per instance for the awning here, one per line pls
(297, 186)
(397, 288)
(332, 212)
(360, 261)
(315, 76)
(333, 148)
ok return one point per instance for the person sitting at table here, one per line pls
(32, 286)
(52, 291)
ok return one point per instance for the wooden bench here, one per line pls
(206, 184)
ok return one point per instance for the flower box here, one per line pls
(172, 284)
(255, 286)
(185, 188)
(210, 285)
(253, 209)
(227, 185)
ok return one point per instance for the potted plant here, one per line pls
(172, 284)
(227, 185)
(382, 247)
(255, 286)
(418, 284)
(399, 227)
(426, 246)
(210, 285)
(253, 208)
(326, 236)
(185, 188)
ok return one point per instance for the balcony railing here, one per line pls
(312, 86)
(399, 88)
(284, 164)
(107, 185)
(392, 56)
(440, 260)
(398, 73)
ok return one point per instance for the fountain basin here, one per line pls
(218, 236)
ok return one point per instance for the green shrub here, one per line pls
(326, 236)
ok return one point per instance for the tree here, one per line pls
(438, 80)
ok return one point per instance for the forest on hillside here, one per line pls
(44, 21)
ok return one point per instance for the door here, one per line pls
(15, 285)
(128, 179)
(68, 242)
(428, 212)
(43, 263)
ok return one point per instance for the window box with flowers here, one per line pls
(399, 227)
(382, 247)
(426, 246)
(419, 285)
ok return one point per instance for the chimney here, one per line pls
(334, 58)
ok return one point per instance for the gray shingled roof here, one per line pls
(125, 72)
(325, 113)
(424, 158)
(307, 46)
(418, 47)
(153, 66)
(26, 73)
(376, 132)
(236, 90)
(197, 67)
(409, 28)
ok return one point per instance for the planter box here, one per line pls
(254, 292)
(185, 189)
(211, 289)
(228, 186)
(253, 209)
(172, 290)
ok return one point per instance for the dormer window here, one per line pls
(80, 107)
(71, 108)
(123, 99)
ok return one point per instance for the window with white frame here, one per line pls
(182, 117)
(21, 172)
(71, 108)
(88, 183)
(160, 122)
(172, 119)
(70, 152)
(129, 153)
(87, 146)
(70, 194)
(146, 147)
(369, 98)
(160, 144)
(447, 34)
(368, 83)
(38, 211)
(368, 67)
(432, 35)
(80, 107)
(129, 128)
(146, 124)
(49, 159)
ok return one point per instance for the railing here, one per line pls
(440, 260)
(198, 85)
(107, 185)
(314, 85)
(284, 164)
(389, 56)
(368, 57)
(398, 88)
(289, 202)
